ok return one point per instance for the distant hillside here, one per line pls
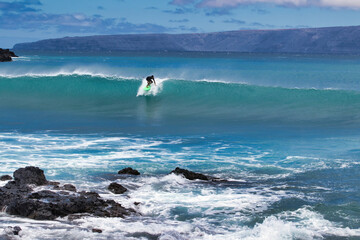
(331, 40)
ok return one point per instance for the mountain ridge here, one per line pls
(329, 40)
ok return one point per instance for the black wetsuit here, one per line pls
(149, 79)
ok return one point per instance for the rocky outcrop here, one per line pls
(30, 175)
(129, 171)
(116, 188)
(6, 55)
(69, 187)
(18, 198)
(195, 176)
(5, 178)
(191, 175)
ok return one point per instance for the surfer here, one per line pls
(150, 80)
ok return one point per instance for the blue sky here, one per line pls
(30, 20)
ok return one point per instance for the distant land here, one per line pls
(329, 40)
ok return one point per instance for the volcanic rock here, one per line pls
(6, 54)
(69, 187)
(96, 230)
(190, 175)
(130, 171)
(53, 183)
(117, 188)
(30, 175)
(17, 198)
(5, 178)
(16, 230)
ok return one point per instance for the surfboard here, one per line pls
(147, 88)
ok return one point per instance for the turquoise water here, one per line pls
(284, 130)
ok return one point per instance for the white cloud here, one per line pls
(340, 3)
(354, 4)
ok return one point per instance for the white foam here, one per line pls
(155, 89)
(303, 223)
(92, 71)
(164, 199)
(300, 224)
(20, 59)
(160, 195)
(220, 81)
(58, 152)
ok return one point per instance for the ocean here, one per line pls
(283, 130)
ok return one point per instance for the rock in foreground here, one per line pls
(18, 198)
(30, 175)
(6, 55)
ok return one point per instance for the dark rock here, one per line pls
(5, 178)
(96, 230)
(69, 187)
(11, 192)
(16, 230)
(64, 193)
(11, 231)
(43, 194)
(53, 183)
(90, 194)
(191, 175)
(136, 203)
(48, 205)
(129, 171)
(16, 188)
(42, 214)
(30, 175)
(116, 188)
(17, 198)
(6, 54)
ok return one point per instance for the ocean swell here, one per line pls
(218, 101)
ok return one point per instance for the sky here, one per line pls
(32, 20)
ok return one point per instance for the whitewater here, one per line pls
(282, 130)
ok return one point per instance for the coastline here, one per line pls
(29, 194)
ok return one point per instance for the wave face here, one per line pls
(192, 101)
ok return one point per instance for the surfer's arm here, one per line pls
(154, 81)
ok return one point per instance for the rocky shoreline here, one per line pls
(6, 55)
(17, 197)
(21, 196)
